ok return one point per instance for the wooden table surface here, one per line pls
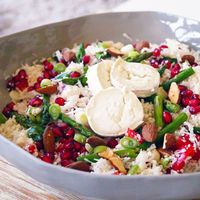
(15, 185)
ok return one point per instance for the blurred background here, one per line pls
(17, 15)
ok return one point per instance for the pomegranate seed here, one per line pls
(75, 74)
(65, 163)
(53, 73)
(154, 63)
(70, 132)
(77, 146)
(46, 75)
(175, 70)
(187, 93)
(179, 163)
(64, 155)
(7, 112)
(62, 140)
(131, 133)
(16, 78)
(22, 84)
(39, 145)
(39, 79)
(10, 84)
(63, 126)
(57, 132)
(194, 102)
(163, 47)
(31, 148)
(195, 96)
(182, 88)
(86, 59)
(35, 102)
(83, 150)
(156, 52)
(36, 86)
(47, 65)
(49, 158)
(194, 109)
(68, 145)
(75, 155)
(10, 105)
(185, 101)
(112, 143)
(167, 117)
(60, 101)
(31, 88)
(22, 74)
(166, 63)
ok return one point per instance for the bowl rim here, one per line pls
(77, 172)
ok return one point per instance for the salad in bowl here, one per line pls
(109, 108)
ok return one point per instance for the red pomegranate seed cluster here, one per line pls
(60, 101)
(36, 101)
(18, 81)
(66, 148)
(188, 98)
(8, 109)
(185, 150)
(167, 117)
(133, 134)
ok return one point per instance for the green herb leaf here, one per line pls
(102, 55)
(35, 133)
(80, 53)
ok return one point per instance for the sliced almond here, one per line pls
(142, 44)
(95, 141)
(49, 140)
(114, 52)
(189, 58)
(169, 142)
(80, 165)
(114, 159)
(174, 93)
(162, 92)
(149, 132)
(47, 90)
(165, 152)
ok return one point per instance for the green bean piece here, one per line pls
(172, 107)
(179, 77)
(91, 158)
(54, 111)
(173, 126)
(3, 119)
(83, 130)
(126, 153)
(128, 142)
(133, 170)
(59, 67)
(158, 110)
(80, 138)
(196, 130)
(100, 149)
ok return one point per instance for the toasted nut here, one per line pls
(189, 58)
(155, 155)
(114, 159)
(95, 141)
(174, 93)
(162, 92)
(169, 142)
(80, 165)
(114, 52)
(141, 44)
(49, 140)
(47, 90)
(165, 152)
(149, 132)
(68, 55)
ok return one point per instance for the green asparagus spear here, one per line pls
(179, 77)
(172, 107)
(83, 130)
(140, 57)
(173, 126)
(158, 110)
(2, 118)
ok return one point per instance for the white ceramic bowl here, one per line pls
(19, 48)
